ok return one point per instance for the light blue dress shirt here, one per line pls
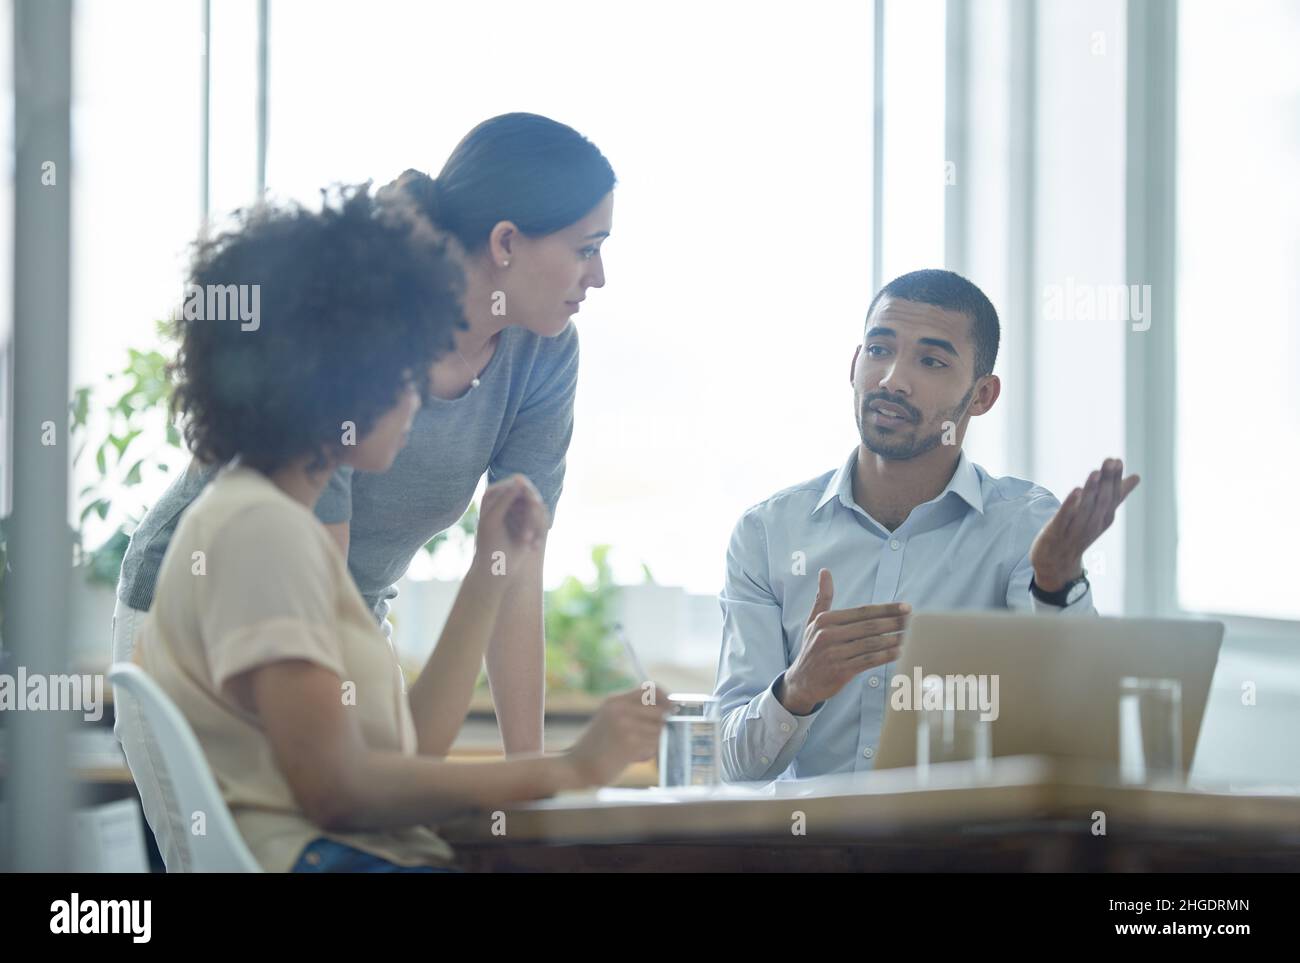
(968, 548)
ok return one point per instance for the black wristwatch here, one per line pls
(1067, 594)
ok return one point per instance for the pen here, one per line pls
(631, 652)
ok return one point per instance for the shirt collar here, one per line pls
(965, 482)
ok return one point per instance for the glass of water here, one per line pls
(1150, 731)
(689, 752)
(948, 733)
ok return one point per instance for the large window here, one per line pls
(1238, 301)
(715, 361)
(913, 143)
(136, 154)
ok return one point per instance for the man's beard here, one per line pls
(898, 448)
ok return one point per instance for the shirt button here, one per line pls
(868, 752)
(874, 681)
(785, 727)
(764, 760)
(894, 543)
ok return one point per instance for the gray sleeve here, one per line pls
(335, 502)
(539, 437)
(760, 737)
(149, 541)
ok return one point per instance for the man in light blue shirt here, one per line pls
(822, 575)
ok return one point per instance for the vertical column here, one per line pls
(956, 108)
(38, 534)
(1023, 281)
(1150, 356)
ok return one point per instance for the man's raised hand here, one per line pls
(838, 644)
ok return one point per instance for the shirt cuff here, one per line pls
(779, 725)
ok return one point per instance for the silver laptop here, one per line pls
(1058, 678)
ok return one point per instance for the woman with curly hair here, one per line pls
(258, 632)
(529, 201)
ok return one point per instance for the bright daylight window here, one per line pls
(715, 361)
(1238, 308)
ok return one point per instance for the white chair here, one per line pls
(221, 849)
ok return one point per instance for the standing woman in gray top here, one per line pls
(530, 201)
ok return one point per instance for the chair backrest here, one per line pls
(220, 849)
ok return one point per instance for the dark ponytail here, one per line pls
(535, 172)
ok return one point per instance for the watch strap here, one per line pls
(1061, 597)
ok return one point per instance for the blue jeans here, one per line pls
(326, 856)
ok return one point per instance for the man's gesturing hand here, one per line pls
(1057, 552)
(837, 645)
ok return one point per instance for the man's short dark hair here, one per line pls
(949, 290)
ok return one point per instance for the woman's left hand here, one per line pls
(512, 520)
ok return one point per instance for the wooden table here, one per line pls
(1025, 813)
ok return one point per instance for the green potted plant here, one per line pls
(132, 441)
(582, 652)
